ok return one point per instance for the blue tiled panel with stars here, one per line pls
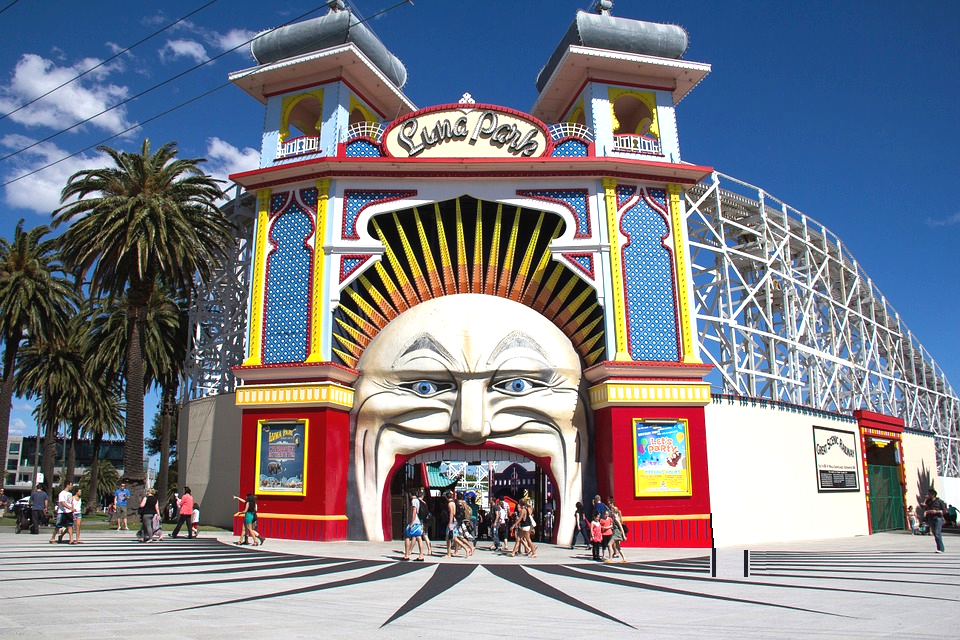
(356, 201)
(362, 149)
(288, 285)
(648, 276)
(571, 149)
(575, 200)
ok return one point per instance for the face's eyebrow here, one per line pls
(427, 342)
(518, 340)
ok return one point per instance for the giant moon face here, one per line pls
(471, 369)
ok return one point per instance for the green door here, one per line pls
(886, 497)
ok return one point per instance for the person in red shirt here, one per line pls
(186, 514)
(606, 531)
(596, 536)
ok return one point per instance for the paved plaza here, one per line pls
(886, 585)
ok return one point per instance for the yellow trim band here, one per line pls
(329, 395)
(292, 516)
(258, 280)
(689, 354)
(692, 516)
(319, 284)
(609, 394)
(616, 272)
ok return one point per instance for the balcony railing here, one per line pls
(298, 146)
(563, 130)
(630, 143)
(372, 130)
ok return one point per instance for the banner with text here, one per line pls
(282, 457)
(661, 458)
(835, 453)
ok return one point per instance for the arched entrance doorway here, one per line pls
(478, 474)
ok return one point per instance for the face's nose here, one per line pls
(470, 424)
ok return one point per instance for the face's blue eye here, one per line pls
(426, 388)
(517, 386)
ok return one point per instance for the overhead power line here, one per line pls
(108, 60)
(171, 109)
(9, 5)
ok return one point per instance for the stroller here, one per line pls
(21, 512)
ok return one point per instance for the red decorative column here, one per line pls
(323, 406)
(671, 508)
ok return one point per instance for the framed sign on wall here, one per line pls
(835, 453)
(282, 457)
(661, 455)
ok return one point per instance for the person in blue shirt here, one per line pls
(120, 497)
(599, 509)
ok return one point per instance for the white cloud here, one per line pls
(19, 428)
(234, 38)
(944, 222)
(223, 159)
(175, 49)
(34, 75)
(40, 192)
(21, 406)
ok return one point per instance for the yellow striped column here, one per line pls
(258, 281)
(319, 282)
(616, 272)
(682, 267)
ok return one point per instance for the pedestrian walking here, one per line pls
(120, 497)
(934, 510)
(64, 510)
(149, 507)
(250, 532)
(185, 515)
(77, 516)
(413, 530)
(39, 502)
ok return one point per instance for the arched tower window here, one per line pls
(634, 120)
(302, 114)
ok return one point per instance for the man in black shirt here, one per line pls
(933, 511)
(38, 505)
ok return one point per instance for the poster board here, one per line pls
(282, 457)
(835, 454)
(661, 458)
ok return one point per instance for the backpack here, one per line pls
(461, 513)
(422, 512)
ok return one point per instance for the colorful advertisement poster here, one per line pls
(836, 455)
(282, 457)
(661, 458)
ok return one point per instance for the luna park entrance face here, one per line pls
(479, 477)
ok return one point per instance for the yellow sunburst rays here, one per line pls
(446, 266)
(476, 283)
(420, 283)
(408, 296)
(436, 287)
(463, 269)
(523, 273)
(536, 279)
(493, 262)
(506, 272)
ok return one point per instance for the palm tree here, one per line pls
(165, 336)
(151, 218)
(51, 370)
(101, 479)
(105, 419)
(35, 300)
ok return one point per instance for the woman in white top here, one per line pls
(77, 516)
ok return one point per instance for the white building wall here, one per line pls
(919, 466)
(763, 478)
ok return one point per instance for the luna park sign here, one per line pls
(457, 132)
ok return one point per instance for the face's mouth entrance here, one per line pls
(387, 466)
(478, 473)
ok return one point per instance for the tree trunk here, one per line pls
(70, 475)
(167, 411)
(11, 346)
(49, 457)
(93, 496)
(133, 472)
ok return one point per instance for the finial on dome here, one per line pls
(603, 7)
(336, 5)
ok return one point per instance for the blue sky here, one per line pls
(847, 111)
